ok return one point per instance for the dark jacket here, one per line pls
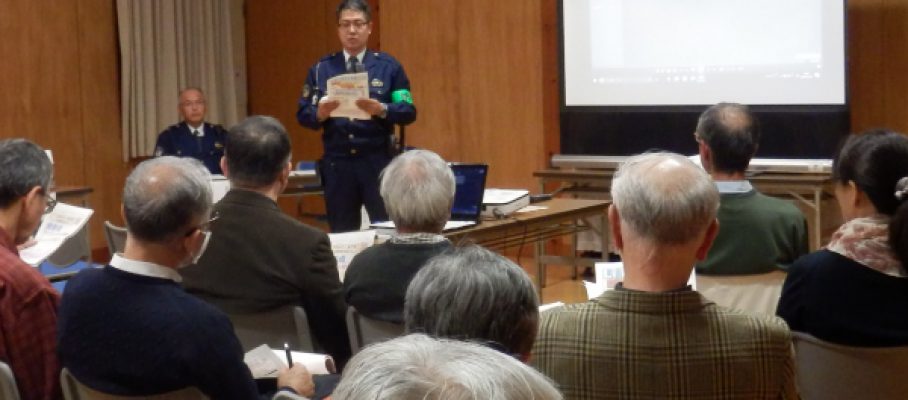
(260, 259)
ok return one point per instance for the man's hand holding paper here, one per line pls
(347, 89)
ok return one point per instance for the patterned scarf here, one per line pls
(866, 240)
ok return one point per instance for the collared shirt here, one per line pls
(28, 325)
(359, 57)
(417, 238)
(144, 268)
(200, 129)
(734, 186)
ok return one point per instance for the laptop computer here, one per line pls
(470, 180)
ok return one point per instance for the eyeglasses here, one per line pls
(205, 227)
(355, 24)
(51, 202)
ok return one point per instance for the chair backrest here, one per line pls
(285, 324)
(364, 331)
(116, 237)
(75, 390)
(8, 388)
(753, 293)
(831, 371)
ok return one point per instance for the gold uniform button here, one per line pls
(352, 151)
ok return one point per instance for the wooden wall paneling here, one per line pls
(428, 50)
(105, 169)
(284, 39)
(865, 63)
(551, 86)
(895, 64)
(501, 71)
(41, 81)
(60, 90)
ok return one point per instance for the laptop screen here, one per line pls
(471, 183)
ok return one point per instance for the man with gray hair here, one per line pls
(470, 293)
(418, 191)
(653, 336)
(419, 367)
(28, 303)
(261, 259)
(129, 329)
(759, 234)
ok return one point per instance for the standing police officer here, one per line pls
(193, 137)
(356, 150)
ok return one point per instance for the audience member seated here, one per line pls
(471, 293)
(418, 191)
(653, 336)
(757, 233)
(28, 303)
(419, 367)
(193, 137)
(260, 258)
(129, 328)
(855, 291)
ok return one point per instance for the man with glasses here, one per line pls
(129, 329)
(193, 137)
(356, 150)
(28, 303)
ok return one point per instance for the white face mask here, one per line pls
(195, 259)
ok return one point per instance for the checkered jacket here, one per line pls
(677, 345)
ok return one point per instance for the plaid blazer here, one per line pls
(676, 345)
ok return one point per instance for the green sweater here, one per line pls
(757, 234)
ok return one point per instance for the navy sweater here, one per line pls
(128, 334)
(377, 279)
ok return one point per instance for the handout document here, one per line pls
(58, 226)
(347, 245)
(348, 88)
(265, 362)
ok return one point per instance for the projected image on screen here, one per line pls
(690, 52)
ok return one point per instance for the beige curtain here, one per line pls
(167, 45)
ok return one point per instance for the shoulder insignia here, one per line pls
(218, 145)
(377, 83)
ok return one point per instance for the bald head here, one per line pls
(732, 134)
(664, 198)
(165, 195)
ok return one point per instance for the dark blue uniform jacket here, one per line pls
(345, 137)
(178, 140)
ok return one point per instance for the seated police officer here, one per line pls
(193, 137)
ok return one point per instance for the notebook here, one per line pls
(470, 182)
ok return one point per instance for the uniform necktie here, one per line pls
(351, 64)
(196, 133)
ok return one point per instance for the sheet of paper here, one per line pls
(502, 196)
(63, 223)
(348, 88)
(219, 188)
(546, 307)
(347, 245)
(317, 364)
(262, 362)
(593, 290)
(531, 209)
(608, 274)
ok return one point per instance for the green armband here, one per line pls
(401, 96)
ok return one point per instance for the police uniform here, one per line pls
(356, 150)
(178, 140)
